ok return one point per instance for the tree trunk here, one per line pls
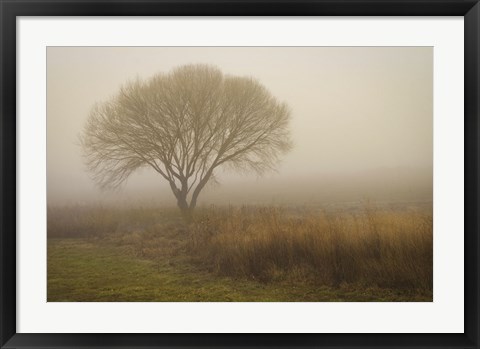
(187, 215)
(182, 203)
(185, 209)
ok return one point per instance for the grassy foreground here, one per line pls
(240, 254)
(85, 270)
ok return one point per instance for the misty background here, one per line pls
(362, 122)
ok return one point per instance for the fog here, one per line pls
(362, 121)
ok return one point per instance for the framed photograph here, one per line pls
(234, 174)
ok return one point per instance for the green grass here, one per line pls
(91, 270)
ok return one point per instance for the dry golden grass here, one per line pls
(94, 221)
(371, 247)
(367, 247)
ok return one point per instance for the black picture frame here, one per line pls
(10, 9)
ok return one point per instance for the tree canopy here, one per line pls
(184, 125)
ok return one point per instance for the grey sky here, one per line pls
(354, 109)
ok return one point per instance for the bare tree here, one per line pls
(184, 125)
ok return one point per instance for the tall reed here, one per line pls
(372, 247)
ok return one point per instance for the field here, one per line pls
(352, 252)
